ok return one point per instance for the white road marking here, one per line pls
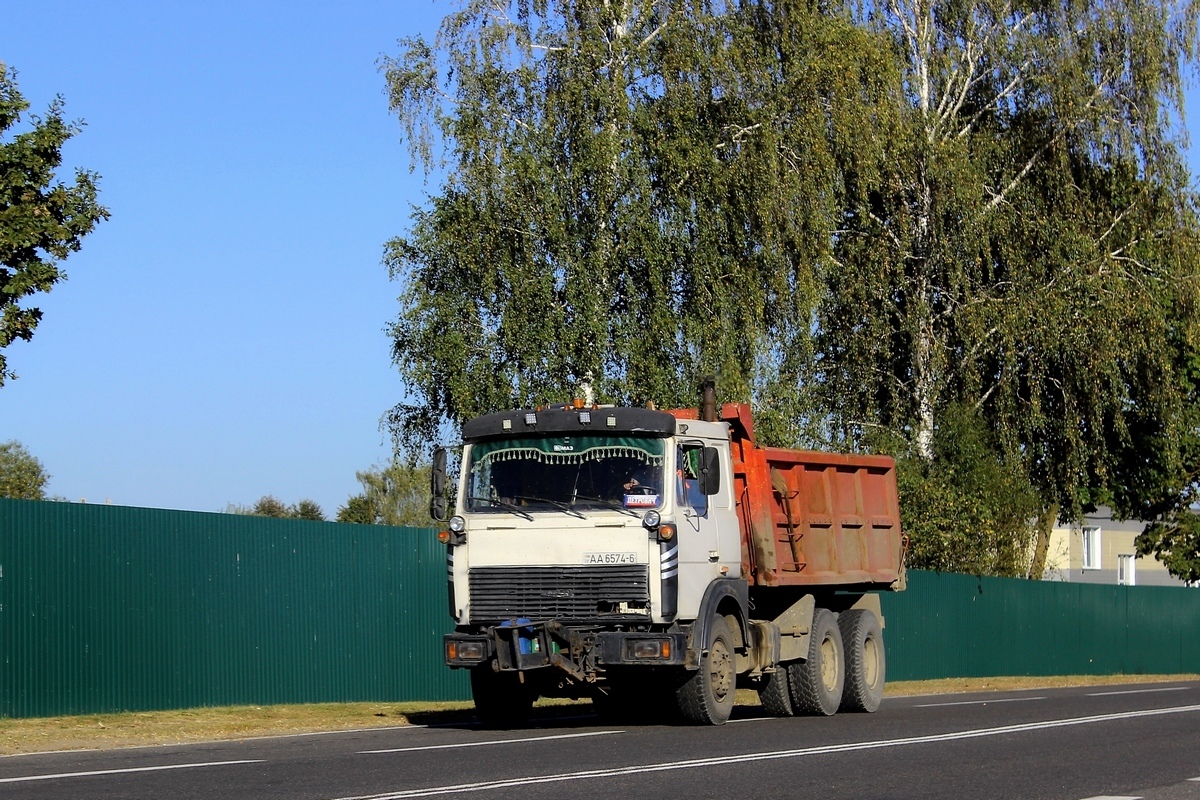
(979, 702)
(767, 756)
(485, 744)
(1194, 779)
(1140, 691)
(123, 771)
(1111, 797)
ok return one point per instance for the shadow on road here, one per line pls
(575, 715)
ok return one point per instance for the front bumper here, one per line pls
(582, 653)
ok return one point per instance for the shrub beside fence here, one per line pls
(106, 608)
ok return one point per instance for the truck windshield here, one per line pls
(569, 474)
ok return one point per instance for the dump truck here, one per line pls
(657, 560)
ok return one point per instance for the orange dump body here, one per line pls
(810, 518)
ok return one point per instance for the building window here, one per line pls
(1091, 548)
(1126, 575)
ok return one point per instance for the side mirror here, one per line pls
(437, 485)
(710, 472)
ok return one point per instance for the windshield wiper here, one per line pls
(506, 506)
(560, 506)
(607, 504)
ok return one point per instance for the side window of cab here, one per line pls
(687, 478)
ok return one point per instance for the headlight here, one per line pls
(651, 520)
(469, 650)
(457, 524)
(648, 648)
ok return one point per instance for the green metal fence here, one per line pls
(965, 626)
(112, 608)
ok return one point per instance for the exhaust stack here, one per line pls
(708, 399)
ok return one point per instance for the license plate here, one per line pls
(610, 558)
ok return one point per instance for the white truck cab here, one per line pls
(585, 515)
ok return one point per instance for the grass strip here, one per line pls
(149, 728)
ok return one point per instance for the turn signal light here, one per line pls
(666, 532)
(444, 538)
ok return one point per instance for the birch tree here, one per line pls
(1031, 243)
(637, 193)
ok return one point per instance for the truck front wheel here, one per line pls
(706, 698)
(501, 700)
(817, 681)
(862, 637)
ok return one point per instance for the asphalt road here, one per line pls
(1130, 741)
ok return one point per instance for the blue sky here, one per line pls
(222, 336)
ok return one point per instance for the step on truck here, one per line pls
(657, 560)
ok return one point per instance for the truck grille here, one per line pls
(563, 593)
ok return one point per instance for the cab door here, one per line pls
(699, 547)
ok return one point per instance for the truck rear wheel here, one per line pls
(816, 682)
(775, 695)
(862, 638)
(706, 698)
(501, 700)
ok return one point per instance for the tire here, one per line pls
(775, 695)
(817, 682)
(862, 638)
(706, 697)
(501, 700)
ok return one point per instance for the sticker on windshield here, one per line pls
(610, 558)
(641, 500)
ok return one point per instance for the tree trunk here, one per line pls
(1045, 524)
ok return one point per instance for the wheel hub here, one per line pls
(720, 667)
(829, 665)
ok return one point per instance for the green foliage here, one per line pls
(41, 221)
(308, 509)
(637, 197)
(22, 476)
(1158, 476)
(358, 510)
(397, 494)
(271, 506)
(1031, 246)
(903, 222)
(969, 509)
(1176, 543)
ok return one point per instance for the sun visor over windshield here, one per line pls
(569, 449)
